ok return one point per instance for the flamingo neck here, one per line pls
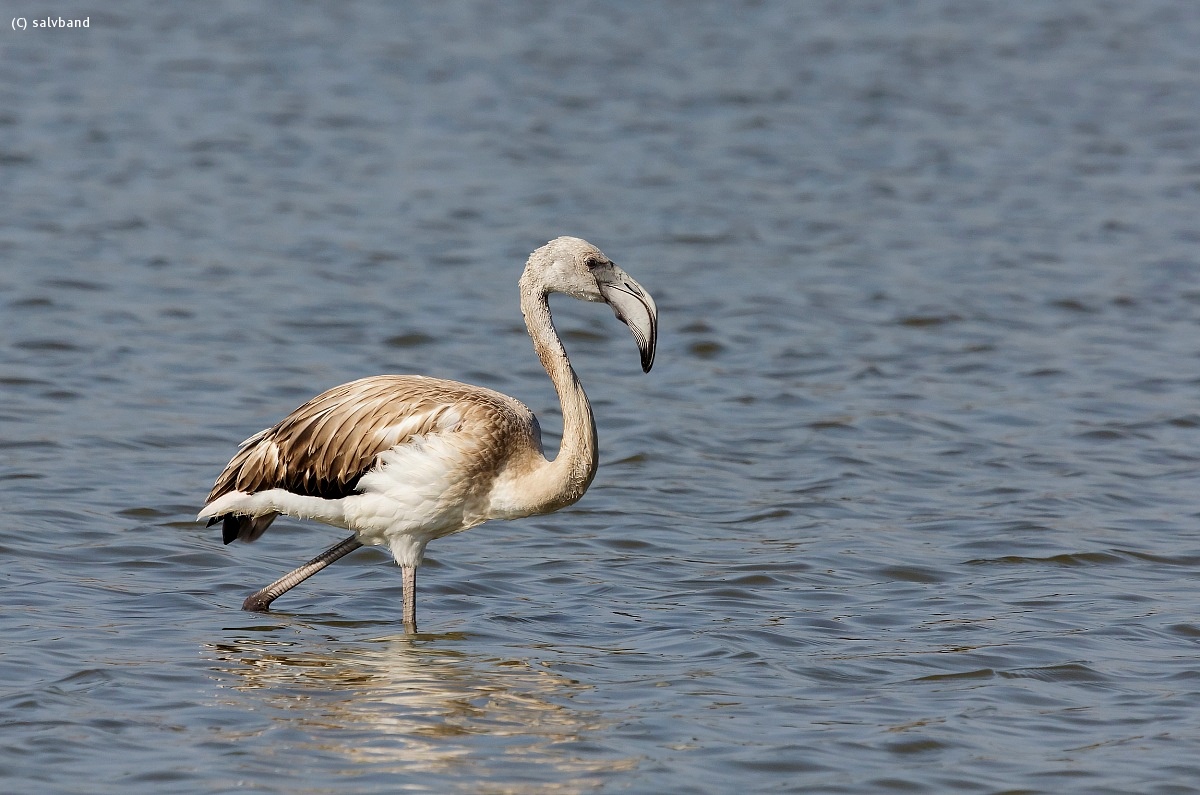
(567, 477)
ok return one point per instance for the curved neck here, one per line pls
(570, 473)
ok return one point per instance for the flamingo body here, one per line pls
(401, 460)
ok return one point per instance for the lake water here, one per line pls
(908, 504)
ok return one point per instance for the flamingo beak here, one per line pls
(634, 307)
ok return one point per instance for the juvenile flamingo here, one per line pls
(403, 459)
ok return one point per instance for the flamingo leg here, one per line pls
(410, 599)
(260, 601)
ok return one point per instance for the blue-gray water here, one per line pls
(909, 502)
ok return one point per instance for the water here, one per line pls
(908, 503)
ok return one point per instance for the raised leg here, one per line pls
(260, 602)
(410, 599)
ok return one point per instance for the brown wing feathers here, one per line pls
(323, 448)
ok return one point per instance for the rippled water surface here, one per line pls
(909, 502)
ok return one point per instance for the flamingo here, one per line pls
(403, 459)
